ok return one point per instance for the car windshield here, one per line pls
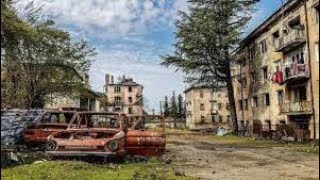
(59, 118)
(102, 121)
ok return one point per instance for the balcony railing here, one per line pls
(293, 39)
(302, 107)
(295, 71)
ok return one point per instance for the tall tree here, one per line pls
(166, 106)
(205, 38)
(173, 106)
(38, 59)
(180, 106)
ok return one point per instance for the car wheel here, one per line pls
(51, 146)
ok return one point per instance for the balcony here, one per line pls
(296, 72)
(293, 39)
(296, 108)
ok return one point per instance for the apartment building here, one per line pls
(206, 108)
(277, 80)
(124, 96)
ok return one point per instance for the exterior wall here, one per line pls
(203, 117)
(124, 105)
(275, 61)
(59, 102)
(313, 23)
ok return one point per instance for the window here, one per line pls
(220, 106)
(130, 110)
(214, 119)
(280, 95)
(255, 101)
(265, 73)
(253, 77)
(220, 119)
(263, 46)
(246, 105)
(267, 99)
(229, 119)
(228, 106)
(202, 107)
(117, 99)
(130, 89)
(130, 100)
(202, 120)
(276, 37)
(252, 53)
(201, 94)
(300, 94)
(117, 89)
(240, 105)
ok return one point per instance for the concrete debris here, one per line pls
(13, 122)
(221, 131)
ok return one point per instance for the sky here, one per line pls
(130, 36)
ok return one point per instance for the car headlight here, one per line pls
(113, 145)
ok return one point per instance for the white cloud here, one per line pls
(115, 17)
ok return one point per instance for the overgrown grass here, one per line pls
(255, 143)
(74, 170)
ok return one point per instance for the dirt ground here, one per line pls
(203, 157)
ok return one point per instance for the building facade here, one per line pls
(277, 79)
(206, 108)
(125, 96)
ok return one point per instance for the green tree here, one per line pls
(38, 59)
(205, 38)
(173, 106)
(166, 106)
(181, 111)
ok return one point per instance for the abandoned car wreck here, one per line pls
(68, 133)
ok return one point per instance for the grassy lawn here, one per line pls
(74, 170)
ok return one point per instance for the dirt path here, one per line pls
(202, 157)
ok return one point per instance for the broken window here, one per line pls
(280, 97)
(202, 120)
(267, 99)
(265, 73)
(130, 89)
(252, 53)
(220, 119)
(276, 37)
(201, 94)
(130, 110)
(130, 100)
(220, 106)
(300, 94)
(253, 77)
(202, 107)
(255, 101)
(240, 105)
(246, 104)
(263, 46)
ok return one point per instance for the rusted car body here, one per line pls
(107, 135)
(49, 122)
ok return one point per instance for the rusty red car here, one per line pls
(107, 135)
(48, 123)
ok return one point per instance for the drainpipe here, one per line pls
(311, 77)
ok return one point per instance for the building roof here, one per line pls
(202, 87)
(289, 5)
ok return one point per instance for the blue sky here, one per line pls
(130, 36)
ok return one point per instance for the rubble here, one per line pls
(13, 122)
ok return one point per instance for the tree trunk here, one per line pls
(233, 108)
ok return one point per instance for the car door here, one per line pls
(143, 142)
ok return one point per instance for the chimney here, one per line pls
(107, 80)
(112, 79)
